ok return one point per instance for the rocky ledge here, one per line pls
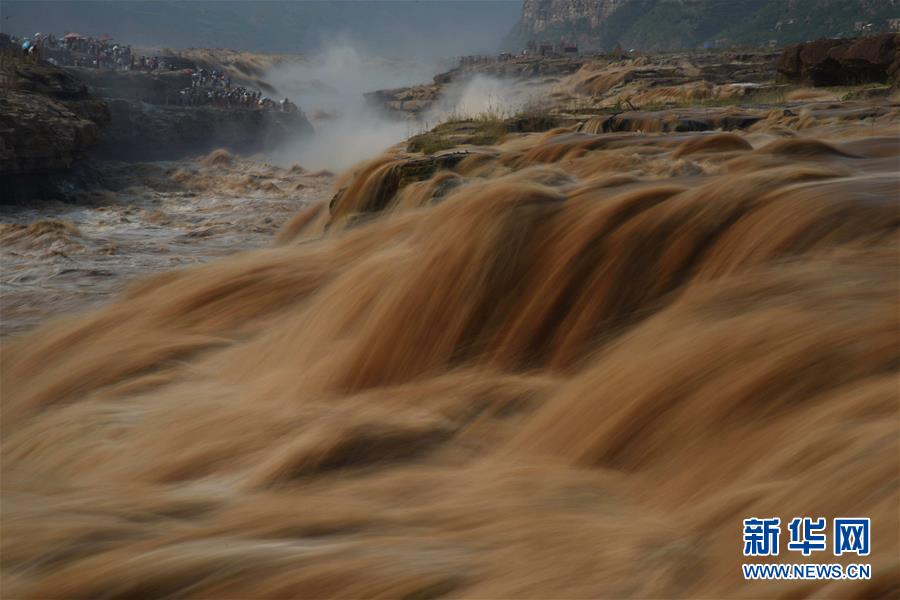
(48, 120)
(658, 70)
(147, 123)
(843, 61)
(410, 102)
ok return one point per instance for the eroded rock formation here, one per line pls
(48, 120)
(51, 118)
(843, 61)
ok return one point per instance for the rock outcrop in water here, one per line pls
(843, 61)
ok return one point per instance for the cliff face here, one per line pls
(683, 24)
(155, 87)
(540, 15)
(48, 120)
(142, 131)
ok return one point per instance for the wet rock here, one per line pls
(842, 61)
(47, 119)
(48, 122)
(674, 120)
(401, 174)
(873, 58)
(404, 102)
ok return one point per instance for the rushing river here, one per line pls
(142, 219)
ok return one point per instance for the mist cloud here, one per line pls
(330, 89)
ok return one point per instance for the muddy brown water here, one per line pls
(59, 257)
(567, 366)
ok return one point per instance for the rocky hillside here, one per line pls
(681, 24)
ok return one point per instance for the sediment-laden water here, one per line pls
(567, 365)
(140, 219)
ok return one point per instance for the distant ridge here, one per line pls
(685, 24)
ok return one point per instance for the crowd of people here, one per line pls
(209, 87)
(76, 50)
